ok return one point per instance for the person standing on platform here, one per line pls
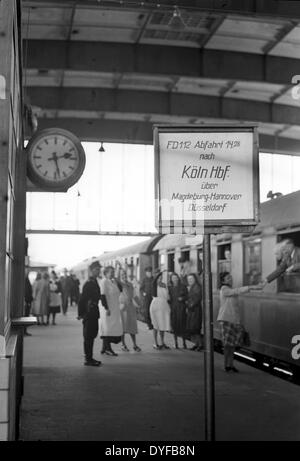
(146, 291)
(160, 312)
(40, 293)
(229, 317)
(66, 286)
(28, 299)
(88, 311)
(55, 297)
(75, 291)
(111, 329)
(194, 311)
(178, 296)
(128, 311)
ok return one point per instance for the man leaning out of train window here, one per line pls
(288, 256)
(232, 330)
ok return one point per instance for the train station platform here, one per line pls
(147, 396)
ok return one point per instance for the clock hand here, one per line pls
(55, 158)
(66, 155)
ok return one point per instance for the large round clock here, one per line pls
(56, 159)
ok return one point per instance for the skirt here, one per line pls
(160, 314)
(54, 309)
(232, 334)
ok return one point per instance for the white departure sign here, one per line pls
(207, 178)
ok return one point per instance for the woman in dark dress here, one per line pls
(178, 296)
(194, 311)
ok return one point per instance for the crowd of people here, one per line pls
(168, 303)
(50, 295)
(173, 305)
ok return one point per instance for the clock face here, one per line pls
(56, 159)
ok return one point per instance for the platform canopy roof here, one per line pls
(109, 70)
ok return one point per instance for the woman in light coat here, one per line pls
(160, 312)
(111, 329)
(41, 295)
(128, 311)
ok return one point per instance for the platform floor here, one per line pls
(151, 395)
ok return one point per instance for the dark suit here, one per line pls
(147, 288)
(285, 263)
(88, 310)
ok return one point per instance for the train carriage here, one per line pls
(272, 317)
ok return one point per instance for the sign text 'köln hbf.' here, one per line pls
(206, 178)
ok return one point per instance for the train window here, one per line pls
(137, 273)
(224, 258)
(171, 262)
(162, 260)
(290, 281)
(252, 261)
(155, 259)
(130, 272)
(199, 260)
(185, 255)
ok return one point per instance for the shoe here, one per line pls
(199, 349)
(194, 348)
(111, 352)
(137, 349)
(164, 346)
(176, 346)
(227, 369)
(125, 348)
(156, 346)
(92, 363)
(234, 369)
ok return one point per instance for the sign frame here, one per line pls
(209, 226)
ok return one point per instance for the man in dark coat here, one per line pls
(88, 311)
(146, 291)
(66, 285)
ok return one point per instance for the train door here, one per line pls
(156, 261)
(171, 262)
(224, 258)
(199, 260)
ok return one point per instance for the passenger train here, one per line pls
(272, 317)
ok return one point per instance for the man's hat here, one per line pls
(95, 265)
